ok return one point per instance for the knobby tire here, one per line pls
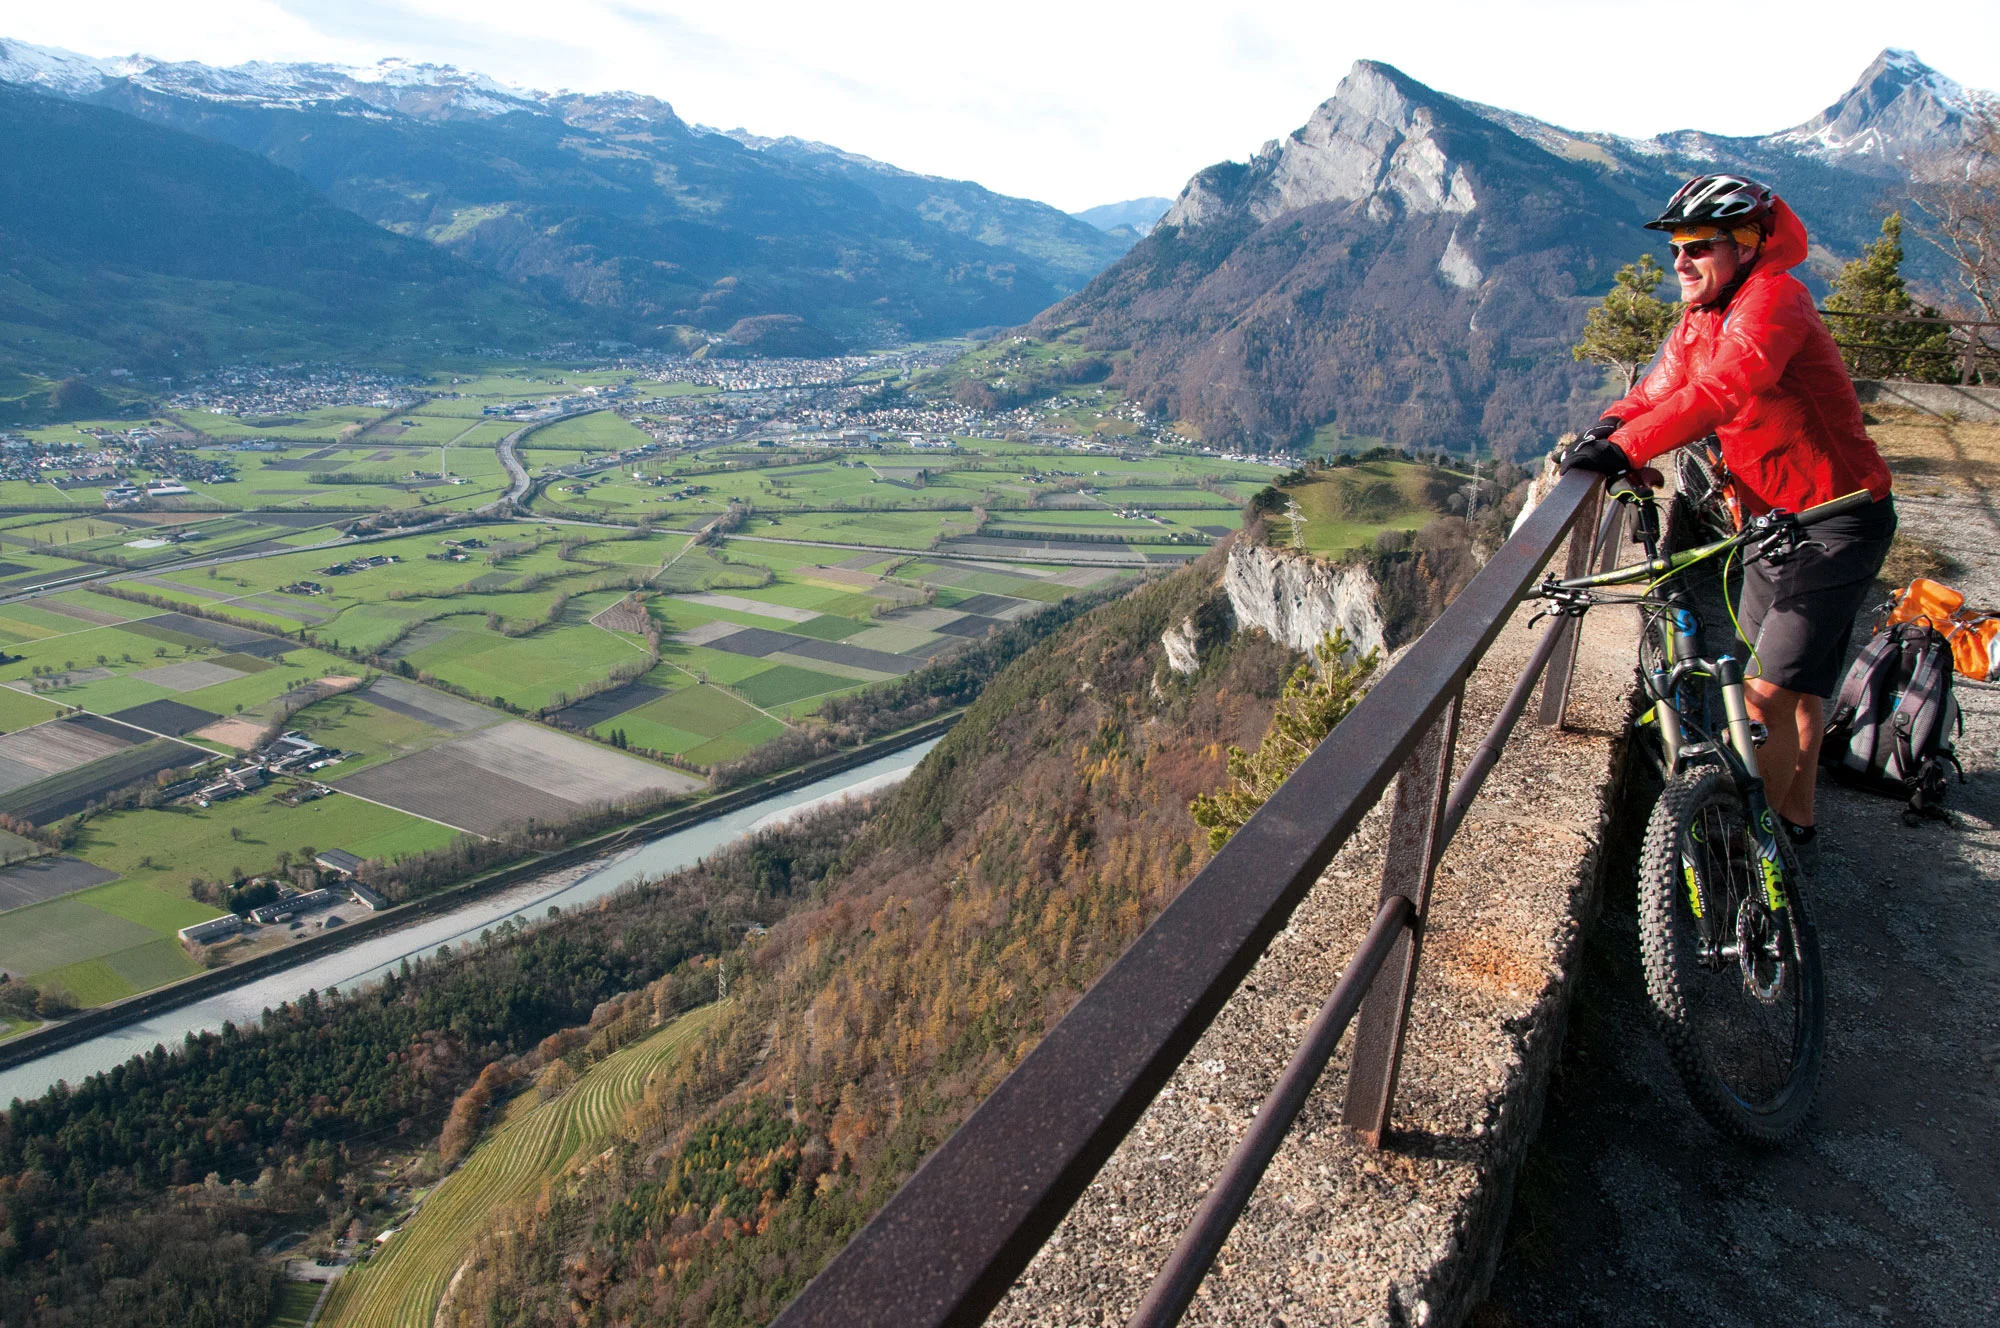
(1750, 1065)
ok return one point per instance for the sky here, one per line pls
(1072, 102)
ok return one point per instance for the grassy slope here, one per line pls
(1347, 507)
(538, 1141)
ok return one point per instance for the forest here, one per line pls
(139, 1196)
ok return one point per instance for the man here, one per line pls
(1752, 361)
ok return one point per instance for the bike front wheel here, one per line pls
(1734, 983)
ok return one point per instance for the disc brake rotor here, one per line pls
(1758, 951)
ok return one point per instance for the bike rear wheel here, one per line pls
(1736, 986)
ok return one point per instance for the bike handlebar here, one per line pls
(1841, 506)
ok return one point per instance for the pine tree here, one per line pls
(1873, 284)
(1315, 699)
(1625, 331)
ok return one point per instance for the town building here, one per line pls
(203, 933)
(295, 904)
(339, 860)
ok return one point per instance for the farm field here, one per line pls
(295, 1303)
(921, 495)
(509, 773)
(535, 1142)
(107, 941)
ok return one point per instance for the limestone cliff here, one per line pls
(1299, 599)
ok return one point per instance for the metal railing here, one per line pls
(949, 1244)
(1967, 355)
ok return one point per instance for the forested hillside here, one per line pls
(126, 244)
(1016, 863)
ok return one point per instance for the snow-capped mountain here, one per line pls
(403, 86)
(1899, 110)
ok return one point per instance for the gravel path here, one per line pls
(1631, 1211)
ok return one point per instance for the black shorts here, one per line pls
(1797, 616)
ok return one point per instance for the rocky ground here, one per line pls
(1631, 1211)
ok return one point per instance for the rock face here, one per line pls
(1183, 644)
(1373, 137)
(1298, 599)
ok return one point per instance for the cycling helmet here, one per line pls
(1724, 201)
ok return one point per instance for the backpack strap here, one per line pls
(1860, 678)
(1927, 682)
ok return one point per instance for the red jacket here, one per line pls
(1762, 373)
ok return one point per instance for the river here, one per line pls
(370, 959)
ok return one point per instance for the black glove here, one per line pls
(1597, 454)
(1602, 430)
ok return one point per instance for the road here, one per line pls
(517, 491)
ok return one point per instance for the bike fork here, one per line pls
(1763, 821)
(1678, 642)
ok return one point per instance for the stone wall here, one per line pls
(1979, 405)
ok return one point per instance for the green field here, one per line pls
(246, 832)
(1345, 508)
(114, 940)
(295, 1304)
(85, 943)
(536, 1142)
(599, 431)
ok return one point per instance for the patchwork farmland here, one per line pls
(650, 616)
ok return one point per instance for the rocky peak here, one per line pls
(1899, 109)
(1382, 139)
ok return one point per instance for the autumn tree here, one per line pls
(1625, 331)
(1877, 345)
(1959, 196)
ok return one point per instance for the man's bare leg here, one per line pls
(1789, 760)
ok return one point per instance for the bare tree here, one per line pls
(1959, 197)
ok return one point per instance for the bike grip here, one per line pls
(1841, 506)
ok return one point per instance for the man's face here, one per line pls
(1706, 266)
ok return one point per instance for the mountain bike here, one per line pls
(1731, 956)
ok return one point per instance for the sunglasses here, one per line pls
(1696, 248)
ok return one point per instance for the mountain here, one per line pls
(960, 206)
(1413, 267)
(1137, 214)
(613, 200)
(124, 244)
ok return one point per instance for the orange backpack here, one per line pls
(1974, 634)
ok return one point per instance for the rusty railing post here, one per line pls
(1583, 544)
(1414, 823)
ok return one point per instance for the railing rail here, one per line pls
(1970, 355)
(950, 1243)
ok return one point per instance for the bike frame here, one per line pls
(1684, 739)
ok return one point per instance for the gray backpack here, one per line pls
(1894, 726)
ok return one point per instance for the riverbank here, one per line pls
(95, 1023)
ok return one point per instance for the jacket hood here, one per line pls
(1785, 246)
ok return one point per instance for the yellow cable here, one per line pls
(1733, 623)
